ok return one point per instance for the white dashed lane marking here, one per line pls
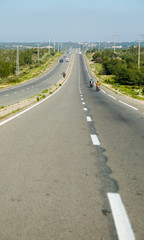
(95, 139)
(83, 103)
(89, 119)
(122, 223)
(85, 109)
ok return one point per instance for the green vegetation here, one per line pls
(28, 64)
(119, 69)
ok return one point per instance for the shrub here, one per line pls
(14, 80)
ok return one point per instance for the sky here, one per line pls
(71, 20)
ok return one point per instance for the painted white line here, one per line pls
(6, 95)
(15, 92)
(27, 88)
(85, 109)
(81, 95)
(95, 139)
(82, 99)
(122, 224)
(89, 119)
(128, 105)
(111, 96)
(22, 90)
(83, 103)
(103, 91)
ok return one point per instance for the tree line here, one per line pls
(123, 65)
(27, 57)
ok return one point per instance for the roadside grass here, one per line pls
(108, 81)
(88, 56)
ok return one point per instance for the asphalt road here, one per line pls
(17, 93)
(55, 181)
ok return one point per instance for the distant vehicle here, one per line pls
(63, 74)
(61, 60)
(67, 59)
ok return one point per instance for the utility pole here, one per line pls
(38, 54)
(58, 46)
(17, 62)
(49, 44)
(114, 42)
(99, 46)
(139, 53)
(105, 45)
(54, 46)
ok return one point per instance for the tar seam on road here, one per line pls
(122, 223)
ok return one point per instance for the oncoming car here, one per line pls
(61, 60)
(67, 59)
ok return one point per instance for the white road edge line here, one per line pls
(89, 119)
(111, 96)
(122, 224)
(103, 91)
(26, 110)
(95, 139)
(128, 105)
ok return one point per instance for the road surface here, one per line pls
(17, 93)
(72, 167)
